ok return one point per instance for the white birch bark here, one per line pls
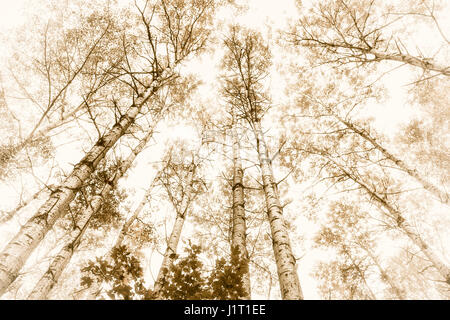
(170, 252)
(441, 195)
(172, 244)
(286, 264)
(239, 229)
(57, 266)
(359, 53)
(126, 226)
(437, 263)
(96, 287)
(21, 246)
(61, 260)
(384, 275)
(408, 59)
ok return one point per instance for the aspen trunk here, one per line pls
(384, 275)
(95, 288)
(21, 246)
(37, 133)
(406, 58)
(426, 64)
(59, 263)
(442, 196)
(57, 266)
(171, 250)
(172, 244)
(361, 274)
(130, 220)
(6, 216)
(286, 264)
(239, 230)
(437, 263)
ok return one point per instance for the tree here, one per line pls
(321, 146)
(246, 62)
(239, 229)
(346, 230)
(358, 32)
(190, 39)
(187, 278)
(181, 180)
(73, 59)
(94, 205)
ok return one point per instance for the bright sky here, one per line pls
(260, 15)
(11, 13)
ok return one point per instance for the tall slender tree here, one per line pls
(246, 61)
(51, 276)
(182, 182)
(361, 32)
(345, 124)
(343, 173)
(184, 35)
(347, 230)
(239, 229)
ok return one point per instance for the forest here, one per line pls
(225, 150)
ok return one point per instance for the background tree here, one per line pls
(246, 62)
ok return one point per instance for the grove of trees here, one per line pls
(226, 149)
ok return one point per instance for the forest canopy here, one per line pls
(225, 150)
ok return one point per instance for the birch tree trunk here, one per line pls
(411, 60)
(441, 195)
(286, 264)
(95, 287)
(130, 220)
(6, 216)
(436, 262)
(239, 230)
(21, 246)
(172, 244)
(385, 276)
(171, 250)
(362, 54)
(59, 263)
(57, 266)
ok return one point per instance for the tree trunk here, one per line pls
(57, 266)
(37, 133)
(170, 253)
(95, 288)
(238, 235)
(172, 244)
(411, 60)
(21, 246)
(361, 54)
(442, 196)
(437, 263)
(59, 263)
(130, 220)
(6, 216)
(286, 264)
(384, 275)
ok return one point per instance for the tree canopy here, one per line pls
(227, 150)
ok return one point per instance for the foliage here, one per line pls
(187, 278)
(121, 271)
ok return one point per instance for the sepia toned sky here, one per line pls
(266, 16)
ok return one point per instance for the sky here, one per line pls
(261, 15)
(12, 14)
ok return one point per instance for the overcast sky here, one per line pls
(264, 15)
